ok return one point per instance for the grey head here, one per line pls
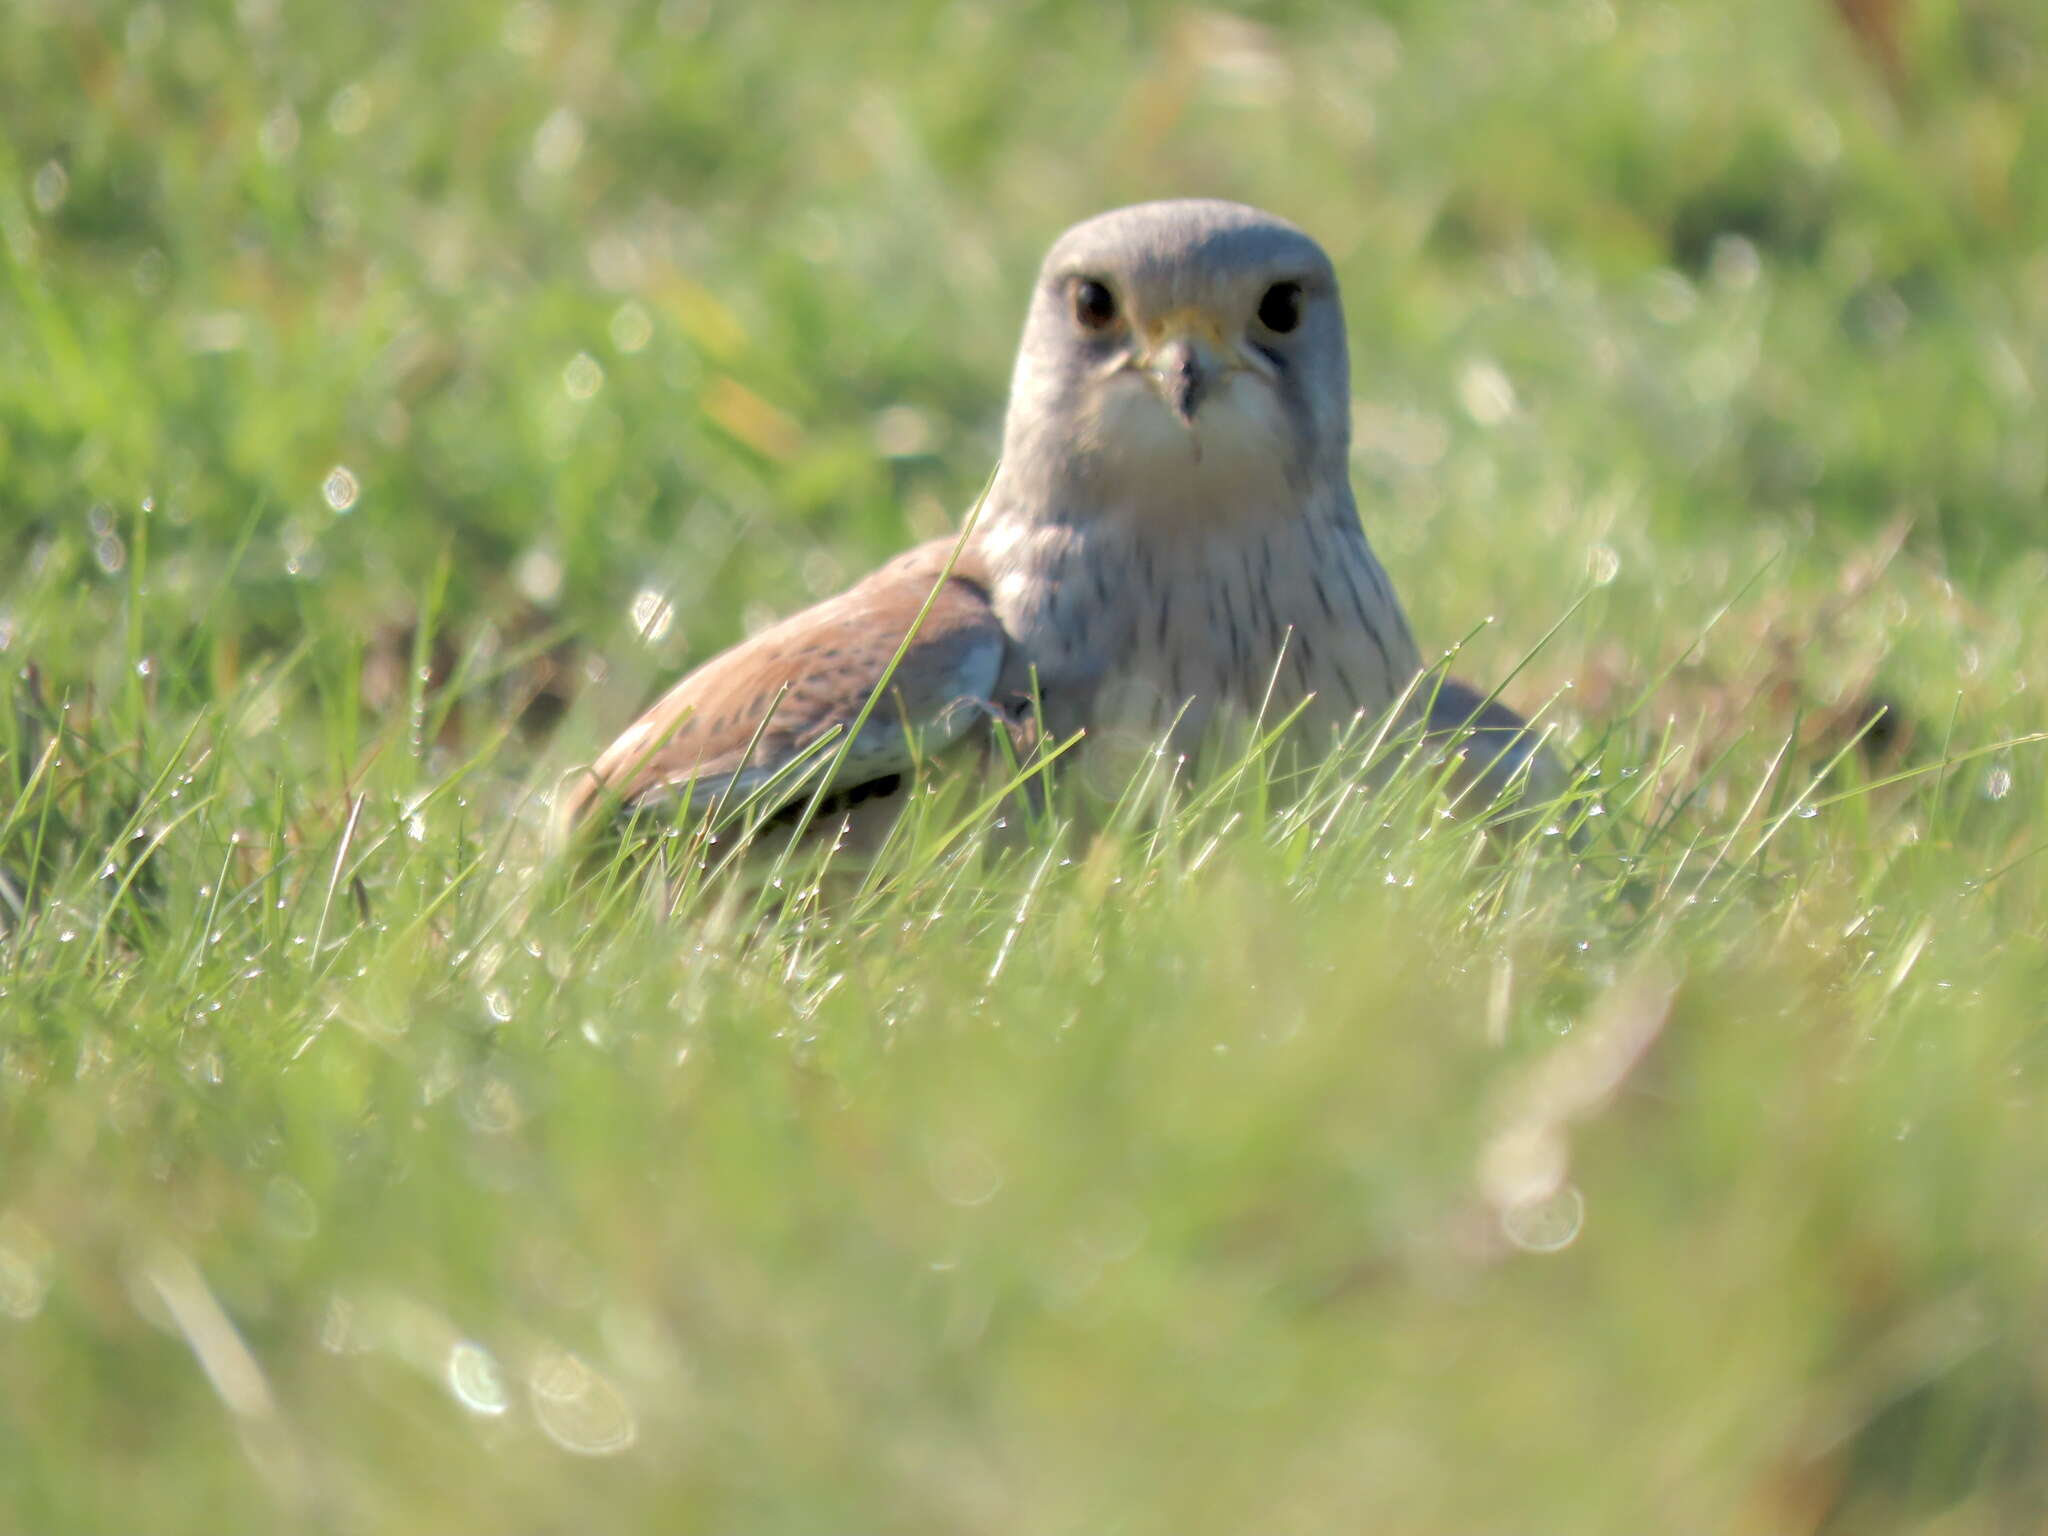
(1183, 359)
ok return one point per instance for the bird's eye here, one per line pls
(1094, 305)
(1280, 309)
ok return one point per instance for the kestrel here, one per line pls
(1169, 544)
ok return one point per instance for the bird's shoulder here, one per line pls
(756, 707)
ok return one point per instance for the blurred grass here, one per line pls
(388, 398)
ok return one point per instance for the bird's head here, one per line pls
(1184, 357)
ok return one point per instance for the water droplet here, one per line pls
(51, 186)
(340, 488)
(1733, 263)
(223, 331)
(349, 112)
(558, 143)
(577, 1408)
(279, 135)
(632, 327)
(1486, 393)
(583, 377)
(653, 615)
(149, 270)
(289, 1211)
(475, 1381)
(1546, 1225)
(492, 1106)
(964, 1173)
(27, 1264)
(904, 432)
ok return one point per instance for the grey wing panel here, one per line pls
(1500, 750)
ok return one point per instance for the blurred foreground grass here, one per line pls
(389, 396)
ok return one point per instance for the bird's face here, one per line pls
(1185, 357)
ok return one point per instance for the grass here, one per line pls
(389, 400)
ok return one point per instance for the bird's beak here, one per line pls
(1185, 355)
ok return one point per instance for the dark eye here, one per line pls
(1280, 309)
(1094, 305)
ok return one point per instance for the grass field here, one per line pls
(390, 397)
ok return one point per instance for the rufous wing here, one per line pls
(770, 703)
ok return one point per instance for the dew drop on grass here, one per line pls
(349, 111)
(27, 1264)
(631, 326)
(50, 187)
(583, 377)
(289, 1211)
(475, 1381)
(964, 1173)
(492, 1106)
(577, 1408)
(1548, 1224)
(340, 489)
(558, 143)
(652, 615)
(538, 575)
(341, 1332)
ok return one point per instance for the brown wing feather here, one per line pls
(806, 676)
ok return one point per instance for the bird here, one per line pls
(1168, 548)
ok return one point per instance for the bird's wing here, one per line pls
(1498, 750)
(748, 714)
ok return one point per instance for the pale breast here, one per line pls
(1138, 628)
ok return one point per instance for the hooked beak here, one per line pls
(1185, 358)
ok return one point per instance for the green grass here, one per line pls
(1244, 1162)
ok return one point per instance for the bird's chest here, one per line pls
(1132, 635)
